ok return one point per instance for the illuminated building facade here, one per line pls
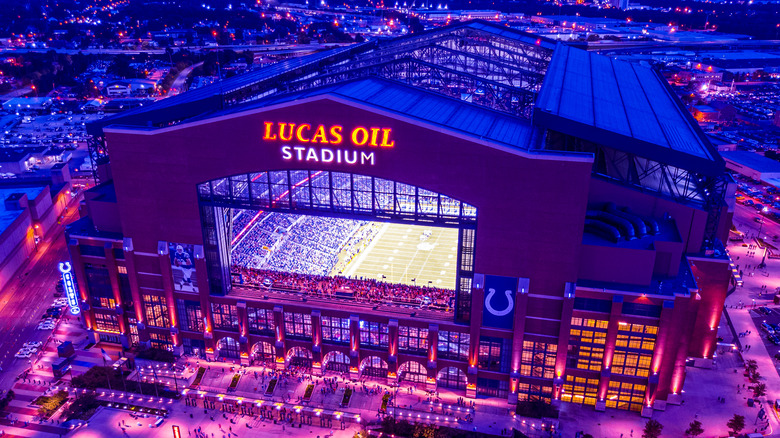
(588, 207)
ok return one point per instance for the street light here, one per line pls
(761, 224)
(764, 247)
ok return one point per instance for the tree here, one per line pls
(694, 429)
(424, 431)
(755, 377)
(736, 424)
(759, 390)
(652, 429)
(751, 366)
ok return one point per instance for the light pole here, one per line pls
(761, 224)
(760, 228)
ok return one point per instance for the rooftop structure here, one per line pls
(752, 164)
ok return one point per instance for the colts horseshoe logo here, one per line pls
(495, 312)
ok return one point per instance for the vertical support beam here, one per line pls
(201, 273)
(609, 350)
(279, 344)
(518, 334)
(354, 346)
(477, 300)
(132, 276)
(433, 343)
(392, 350)
(167, 281)
(316, 341)
(563, 338)
(685, 309)
(657, 388)
(243, 332)
(113, 277)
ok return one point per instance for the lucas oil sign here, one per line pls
(70, 287)
(305, 142)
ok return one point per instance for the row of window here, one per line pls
(580, 390)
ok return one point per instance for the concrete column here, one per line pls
(316, 339)
(433, 344)
(477, 303)
(392, 350)
(712, 277)
(132, 276)
(609, 350)
(354, 346)
(167, 281)
(243, 332)
(657, 388)
(113, 277)
(279, 344)
(563, 338)
(685, 308)
(205, 305)
(518, 335)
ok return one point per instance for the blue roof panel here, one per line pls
(607, 103)
(384, 94)
(577, 93)
(622, 105)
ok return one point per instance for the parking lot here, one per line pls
(55, 129)
(760, 316)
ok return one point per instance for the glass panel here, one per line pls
(321, 190)
(384, 195)
(220, 187)
(427, 202)
(240, 187)
(362, 193)
(300, 181)
(405, 194)
(449, 207)
(469, 210)
(259, 183)
(280, 195)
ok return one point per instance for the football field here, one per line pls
(404, 252)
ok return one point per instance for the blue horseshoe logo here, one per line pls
(495, 312)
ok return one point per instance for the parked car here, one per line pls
(767, 328)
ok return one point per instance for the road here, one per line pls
(283, 48)
(178, 83)
(26, 298)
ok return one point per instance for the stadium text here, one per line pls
(70, 287)
(306, 133)
(327, 155)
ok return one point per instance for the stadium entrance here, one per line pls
(293, 228)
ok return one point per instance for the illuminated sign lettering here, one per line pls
(70, 287)
(328, 144)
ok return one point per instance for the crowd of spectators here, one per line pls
(360, 289)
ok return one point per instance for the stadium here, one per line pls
(471, 209)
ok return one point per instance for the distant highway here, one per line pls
(290, 48)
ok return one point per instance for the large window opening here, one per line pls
(339, 235)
